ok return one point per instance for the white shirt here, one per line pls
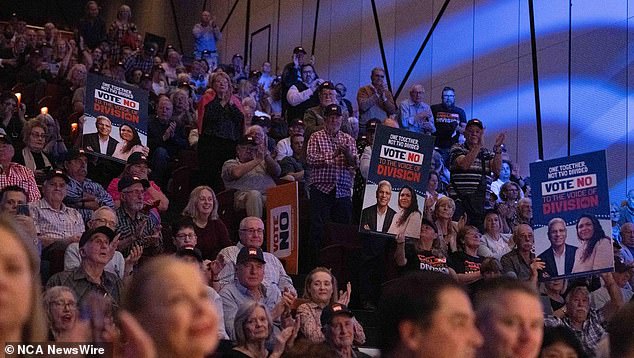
(560, 261)
(380, 219)
(103, 145)
(284, 148)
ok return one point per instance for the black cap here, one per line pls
(247, 140)
(262, 121)
(128, 181)
(475, 122)
(146, 76)
(158, 68)
(150, 47)
(190, 252)
(333, 310)
(299, 49)
(4, 136)
(327, 85)
(297, 122)
(57, 173)
(35, 53)
(620, 266)
(237, 55)
(137, 158)
(430, 224)
(332, 109)
(206, 52)
(87, 235)
(247, 254)
(74, 154)
(372, 124)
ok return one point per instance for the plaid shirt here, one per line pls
(23, 177)
(56, 224)
(75, 192)
(591, 332)
(140, 227)
(328, 170)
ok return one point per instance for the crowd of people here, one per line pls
(103, 238)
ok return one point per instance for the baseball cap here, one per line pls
(332, 109)
(248, 253)
(333, 310)
(88, 235)
(247, 140)
(327, 85)
(372, 124)
(430, 224)
(299, 49)
(137, 158)
(190, 252)
(74, 154)
(238, 55)
(262, 121)
(4, 137)
(297, 122)
(128, 181)
(57, 173)
(475, 122)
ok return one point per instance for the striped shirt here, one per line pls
(75, 192)
(56, 224)
(330, 171)
(468, 180)
(23, 177)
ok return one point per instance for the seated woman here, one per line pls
(321, 289)
(32, 155)
(432, 195)
(407, 219)
(61, 309)
(168, 299)
(595, 251)
(507, 206)
(153, 197)
(130, 143)
(54, 147)
(422, 254)
(212, 233)
(447, 229)
(466, 261)
(254, 328)
(494, 243)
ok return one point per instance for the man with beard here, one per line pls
(588, 324)
(135, 225)
(82, 193)
(378, 217)
(337, 324)
(91, 276)
(450, 121)
(559, 257)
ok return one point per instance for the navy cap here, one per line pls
(74, 154)
(297, 122)
(247, 140)
(299, 49)
(372, 124)
(475, 122)
(4, 136)
(128, 181)
(190, 252)
(332, 109)
(250, 253)
(137, 158)
(327, 85)
(333, 310)
(57, 173)
(87, 235)
(262, 121)
(238, 55)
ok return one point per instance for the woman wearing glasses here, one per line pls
(32, 155)
(61, 310)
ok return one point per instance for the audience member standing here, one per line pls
(206, 35)
(122, 32)
(450, 121)
(375, 100)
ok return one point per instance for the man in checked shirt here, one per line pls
(332, 157)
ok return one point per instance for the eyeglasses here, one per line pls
(64, 304)
(38, 135)
(253, 231)
(186, 236)
(105, 222)
(134, 192)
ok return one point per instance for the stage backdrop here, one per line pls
(402, 159)
(572, 191)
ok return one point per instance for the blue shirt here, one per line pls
(235, 295)
(75, 192)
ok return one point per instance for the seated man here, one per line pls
(135, 225)
(622, 275)
(105, 216)
(14, 173)
(284, 145)
(252, 236)
(82, 193)
(249, 287)
(57, 224)
(251, 174)
(521, 260)
(91, 275)
(337, 324)
(293, 166)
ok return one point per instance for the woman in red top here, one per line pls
(212, 233)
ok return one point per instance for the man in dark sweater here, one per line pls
(450, 122)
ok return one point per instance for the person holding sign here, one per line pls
(595, 252)
(407, 220)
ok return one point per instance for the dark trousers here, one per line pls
(326, 208)
(213, 152)
(372, 270)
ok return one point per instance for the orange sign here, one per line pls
(283, 224)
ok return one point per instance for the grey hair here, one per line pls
(242, 316)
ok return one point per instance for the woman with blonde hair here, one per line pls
(212, 233)
(22, 316)
(62, 313)
(447, 229)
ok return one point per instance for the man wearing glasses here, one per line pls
(252, 236)
(450, 122)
